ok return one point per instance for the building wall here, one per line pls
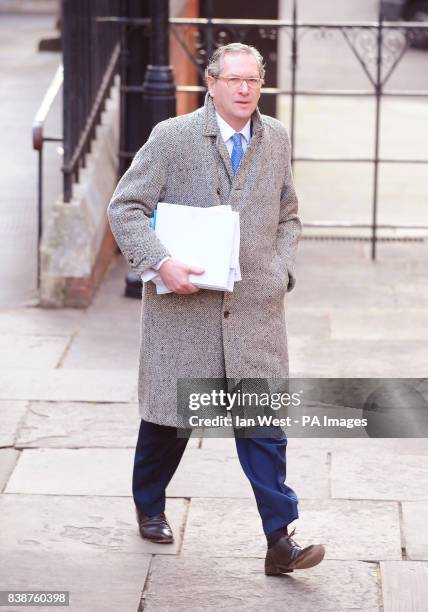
(185, 73)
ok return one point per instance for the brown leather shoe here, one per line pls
(155, 528)
(286, 555)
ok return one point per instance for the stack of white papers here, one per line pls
(204, 237)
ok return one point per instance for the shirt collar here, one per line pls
(227, 131)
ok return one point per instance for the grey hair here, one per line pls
(215, 65)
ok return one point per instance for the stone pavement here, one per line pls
(25, 75)
(69, 425)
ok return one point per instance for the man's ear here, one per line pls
(211, 86)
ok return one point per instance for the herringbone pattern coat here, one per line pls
(185, 161)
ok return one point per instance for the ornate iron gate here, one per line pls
(378, 46)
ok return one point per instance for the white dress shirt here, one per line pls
(226, 132)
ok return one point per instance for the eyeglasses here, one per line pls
(234, 83)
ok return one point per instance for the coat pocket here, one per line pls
(280, 272)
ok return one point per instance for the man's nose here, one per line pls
(244, 87)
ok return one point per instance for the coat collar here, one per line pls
(227, 131)
(211, 126)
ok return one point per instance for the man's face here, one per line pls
(235, 105)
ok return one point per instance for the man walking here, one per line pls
(225, 152)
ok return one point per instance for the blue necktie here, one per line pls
(237, 152)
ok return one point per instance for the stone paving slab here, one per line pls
(355, 271)
(79, 424)
(405, 446)
(344, 291)
(69, 385)
(372, 534)
(179, 584)
(359, 272)
(347, 252)
(223, 528)
(404, 586)
(314, 324)
(100, 352)
(11, 415)
(114, 281)
(215, 472)
(315, 273)
(80, 471)
(296, 447)
(41, 321)
(34, 352)
(410, 294)
(91, 471)
(352, 529)
(415, 529)
(25, 75)
(219, 444)
(111, 312)
(412, 254)
(357, 358)
(302, 452)
(208, 473)
(379, 324)
(361, 446)
(8, 459)
(379, 476)
(308, 473)
(98, 582)
(76, 524)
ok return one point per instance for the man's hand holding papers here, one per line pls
(202, 242)
(175, 276)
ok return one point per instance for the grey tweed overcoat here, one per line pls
(211, 334)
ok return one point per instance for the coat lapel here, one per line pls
(249, 155)
(212, 129)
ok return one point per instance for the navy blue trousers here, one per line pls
(158, 453)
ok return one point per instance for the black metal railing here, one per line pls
(378, 46)
(90, 56)
(39, 139)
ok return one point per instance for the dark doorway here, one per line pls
(265, 41)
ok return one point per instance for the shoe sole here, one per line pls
(171, 541)
(312, 557)
(163, 541)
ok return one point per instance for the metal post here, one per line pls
(68, 95)
(134, 58)
(39, 213)
(206, 42)
(293, 80)
(209, 14)
(159, 101)
(378, 90)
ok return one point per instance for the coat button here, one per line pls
(131, 260)
(226, 314)
(218, 190)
